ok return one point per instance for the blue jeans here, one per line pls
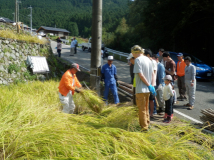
(113, 88)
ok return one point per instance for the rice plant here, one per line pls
(33, 127)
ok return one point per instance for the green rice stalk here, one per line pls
(95, 103)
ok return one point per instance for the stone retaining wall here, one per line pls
(13, 54)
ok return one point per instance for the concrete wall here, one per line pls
(13, 54)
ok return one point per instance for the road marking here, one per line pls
(188, 117)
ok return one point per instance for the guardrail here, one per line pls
(117, 52)
(64, 41)
(121, 56)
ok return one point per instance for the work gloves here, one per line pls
(78, 90)
(152, 89)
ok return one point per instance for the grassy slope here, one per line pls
(33, 128)
(22, 36)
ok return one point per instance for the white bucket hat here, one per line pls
(130, 56)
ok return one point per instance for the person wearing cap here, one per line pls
(109, 76)
(67, 86)
(131, 67)
(160, 52)
(190, 82)
(168, 97)
(143, 70)
(181, 77)
(131, 60)
(72, 47)
(148, 53)
(76, 44)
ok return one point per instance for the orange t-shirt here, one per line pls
(181, 68)
(67, 84)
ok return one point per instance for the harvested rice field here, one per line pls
(33, 127)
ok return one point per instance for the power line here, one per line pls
(30, 18)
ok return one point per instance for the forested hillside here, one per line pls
(74, 15)
(175, 25)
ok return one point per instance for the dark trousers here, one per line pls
(134, 97)
(168, 106)
(75, 49)
(59, 52)
(181, 86)
(132, 72)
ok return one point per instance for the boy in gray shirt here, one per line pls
(190, 82)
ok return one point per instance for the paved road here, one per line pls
(83, 59)
(204, 94)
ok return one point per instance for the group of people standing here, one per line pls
(73, 46)
(153, 77)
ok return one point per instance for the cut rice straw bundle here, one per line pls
(95, 103)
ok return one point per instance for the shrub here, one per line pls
(13, 67)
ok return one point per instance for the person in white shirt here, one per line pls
(168, 97)
(143, 77)
(148, 53)
(72, 47)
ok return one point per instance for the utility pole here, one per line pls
(18, 2)
(14, 16)
(30, 19)
(16, 11)
(17, 26)
(96, 45)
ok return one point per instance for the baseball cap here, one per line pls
(161, 49)
(75, 65)
(179, 54)
(168, 77)
(130, 56)
(110, 58)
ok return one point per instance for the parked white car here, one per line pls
(88, 45)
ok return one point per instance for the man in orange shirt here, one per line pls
(181, 76)
(67, 87)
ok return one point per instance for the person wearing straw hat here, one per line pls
(143, 70)
(109, 76)
(67, 86)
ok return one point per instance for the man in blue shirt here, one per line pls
(160, 80)
(109, 76)
(75, 43)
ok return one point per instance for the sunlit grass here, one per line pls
(21, 36)
(32, 127)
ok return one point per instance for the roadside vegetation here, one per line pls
(32, 127)
(12, 34)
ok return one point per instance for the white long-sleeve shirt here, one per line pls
(167, 92)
